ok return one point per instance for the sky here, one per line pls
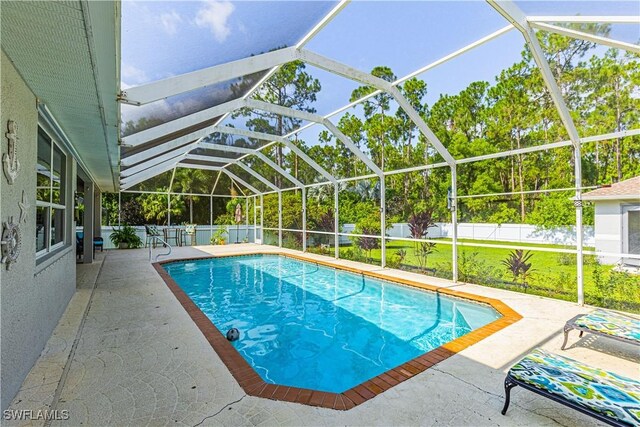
(166, 38)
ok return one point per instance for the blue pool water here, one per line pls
(320, 328)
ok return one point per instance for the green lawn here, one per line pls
(553, 274)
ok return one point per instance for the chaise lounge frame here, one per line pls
(511, 382)
(571, 325)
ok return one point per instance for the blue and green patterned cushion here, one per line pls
(152, 230)
(604, 392)
(609, 323)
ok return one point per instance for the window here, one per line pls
(50, 193)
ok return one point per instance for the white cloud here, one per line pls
(215, 16)
(132, 75)
(170, 22)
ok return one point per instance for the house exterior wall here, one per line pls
(608, 229)
(33, 293)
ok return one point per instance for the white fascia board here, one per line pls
(241, 181)
(513, 14)
(362, 77)
(143, 94)
(589, 37)
(181, 123)
(258, 176)
(277, 168)
(609, 19)
(613, 198)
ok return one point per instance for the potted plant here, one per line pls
(218, 237)
(125, 237)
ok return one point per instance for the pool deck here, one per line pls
(127, 353)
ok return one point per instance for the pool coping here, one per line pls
(249, 380)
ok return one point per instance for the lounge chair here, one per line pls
(607, 324)
(607, 397)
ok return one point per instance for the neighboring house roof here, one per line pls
(624, 190)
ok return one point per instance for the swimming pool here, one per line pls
(315, 327)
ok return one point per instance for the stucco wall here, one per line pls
(608, 229)
(33, 295)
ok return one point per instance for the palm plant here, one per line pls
(419, 224)
(518, 265)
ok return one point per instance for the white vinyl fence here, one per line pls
(520, 233)
(203, 234)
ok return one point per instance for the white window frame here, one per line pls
(49, 248)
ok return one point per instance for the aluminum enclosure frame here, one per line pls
(170, 154)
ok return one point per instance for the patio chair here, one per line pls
(151, 232)
(605, 396)
(607, 324)
(79, 243)
(190, 234)
(98, 242)
(172, 234)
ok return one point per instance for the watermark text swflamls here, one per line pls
(30, 414)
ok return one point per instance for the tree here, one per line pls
(194, 181)
(292, 87)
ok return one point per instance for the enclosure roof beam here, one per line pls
(277, 138)
(257, 153)
(303, 41)
(154, 170)
(172, 126)
(203, 167)
(241, 181)
(362, 77)
(262, 136)
(550, 146)
(588, 37)
(417, 72)
(209, 158)
(277, 168)
(154, 91)
(183, 143)
(304, 115)
(513, 14)
(257, 176)
(225, 148)
(614, 19)
(130, 181)
(152, 162)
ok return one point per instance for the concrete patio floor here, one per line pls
(126, 353)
